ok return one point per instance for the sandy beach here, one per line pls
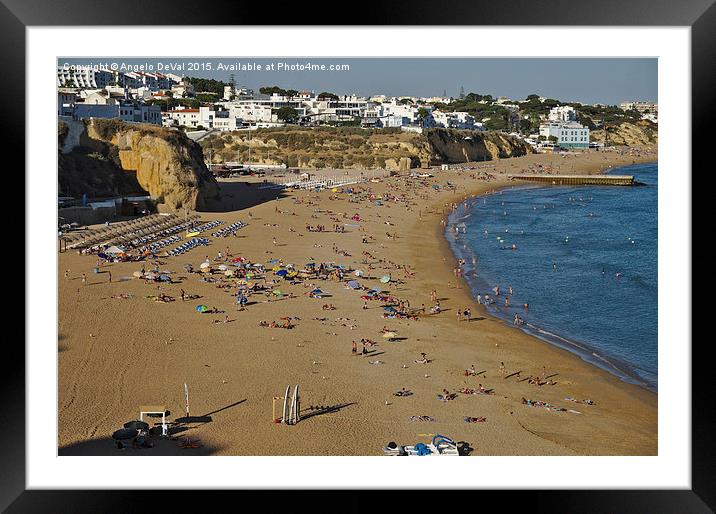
(118, 349)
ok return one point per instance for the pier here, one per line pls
(578, 180)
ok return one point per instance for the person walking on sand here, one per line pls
(354, 348)
(110, 275)
(67, 273)
(479, 299)
(182, 294)
(365, 350)
(84, 279)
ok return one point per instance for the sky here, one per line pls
(588, 80)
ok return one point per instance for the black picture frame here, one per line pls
(699, 15)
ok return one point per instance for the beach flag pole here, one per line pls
(186, 398)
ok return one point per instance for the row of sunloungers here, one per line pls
(207, 226)
(230, 230)
(158, 245)
(185, 247)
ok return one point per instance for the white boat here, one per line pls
(441, 446)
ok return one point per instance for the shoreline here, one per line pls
(583, 350)
(117, 349)
(447, 250)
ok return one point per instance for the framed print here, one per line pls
(315, 249)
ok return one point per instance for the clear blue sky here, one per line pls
(589, 80)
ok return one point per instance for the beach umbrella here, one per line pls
(277, 293)
(390, 335)
(353, 284)
(317, 291)
(385, 279)
(389, 308)
(358, 273)
(250, 285)
(205, 264)
(282, 273)
(137, 425)
(138, 274)
(229, 273)
(165, 278)
(188, 267)
(292, 274)
(237, 259)
(150, 276)
(201, 308)
(206, 270)
(102, 255)
(124, 433)
(223, 267)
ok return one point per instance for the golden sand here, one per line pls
(116, 354)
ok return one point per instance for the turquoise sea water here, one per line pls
(585, 263)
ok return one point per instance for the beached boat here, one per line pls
(441, 446)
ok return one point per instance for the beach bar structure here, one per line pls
(578, 180)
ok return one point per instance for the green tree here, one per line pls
(422, 114)
(325, 95)
(270, 90)
(287, 114)
(532, 97)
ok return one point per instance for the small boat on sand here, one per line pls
(441, 446)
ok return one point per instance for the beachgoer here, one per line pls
(354, 349)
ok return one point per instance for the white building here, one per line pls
(65, 101)
(125, 110)
(457, 120)
(181, 117)
(205, 117)
(84, 78)
(182, 89)
(569, 134)
(562, 113)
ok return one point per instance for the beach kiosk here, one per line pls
(155, 409)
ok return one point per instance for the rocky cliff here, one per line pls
(640, 133)
(348, 147)
(113, 158)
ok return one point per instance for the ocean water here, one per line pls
(585, 263)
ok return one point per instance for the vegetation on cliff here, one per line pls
(639, 133)
(348, 147)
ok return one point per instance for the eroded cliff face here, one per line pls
(455, 146)
(345, 148)
(162, 162)
(641, 133)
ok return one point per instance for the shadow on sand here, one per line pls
(108, 447)
(241, 195)
(162, 446)
(318, 410)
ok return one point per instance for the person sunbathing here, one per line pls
(263, 323)
(482, 390)
(403, 392)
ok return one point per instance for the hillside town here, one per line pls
(171, 100)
